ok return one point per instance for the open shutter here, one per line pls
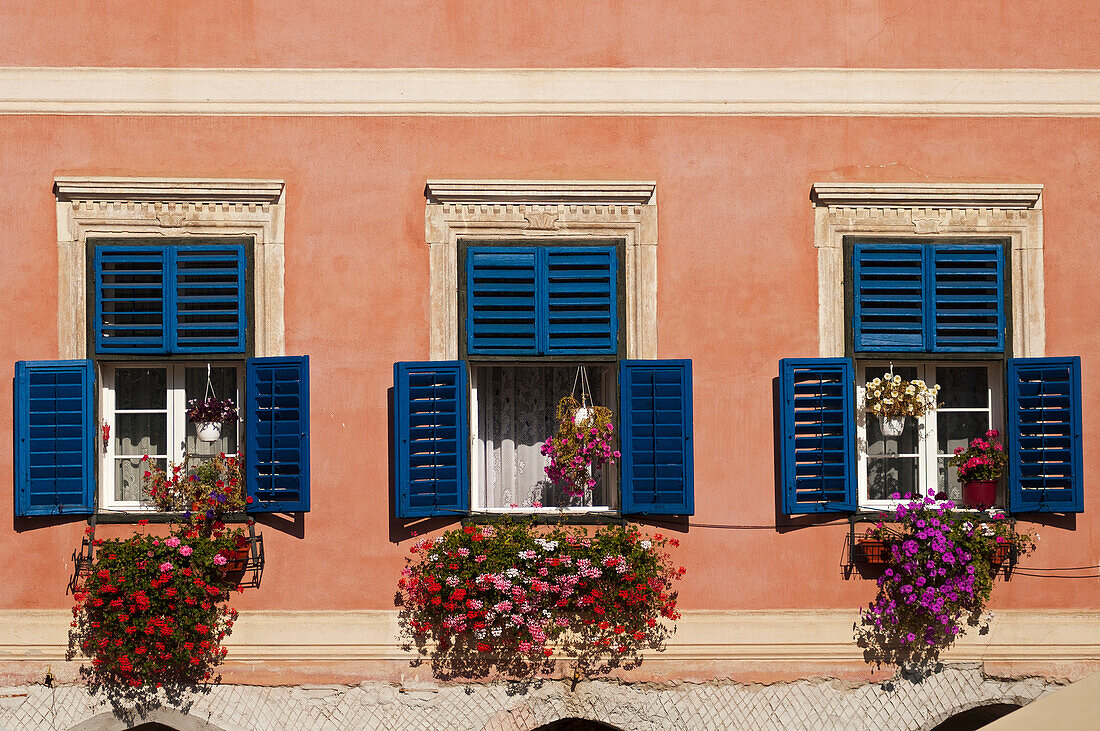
(817, 432)
(1044, 435)
(968, 298)
(209, 299)
(658, 470)
(890, 311)
(502, 293)
(277, 434)
(131, 299)
(431, 439)
(581, 312)
(54, 434)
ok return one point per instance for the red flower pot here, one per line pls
(979, 494)
(872, 551)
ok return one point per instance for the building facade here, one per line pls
(307, 199)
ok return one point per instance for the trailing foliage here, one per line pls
(512, 597)
(211, 410)
(938, 579)
(582, 445)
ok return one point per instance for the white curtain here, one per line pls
(516, 406)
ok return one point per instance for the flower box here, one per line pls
(872, 551)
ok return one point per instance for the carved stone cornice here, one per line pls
(508, 192)
(189, 190)
(927, 195)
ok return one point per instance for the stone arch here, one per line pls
(160, 719)
(972, 716)
(573, 723)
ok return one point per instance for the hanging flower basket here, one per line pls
(582, 445)
(208, 431)
(892, 399)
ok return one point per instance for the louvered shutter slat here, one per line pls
(817, 432)
(431, 439)
(1044, 435)
(54, 461)
(277, 458)
(656, 437)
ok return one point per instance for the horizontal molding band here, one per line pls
(1038, 637)
(551, 92)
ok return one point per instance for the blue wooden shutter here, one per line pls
(817, 432)
(1044, 435)
(131, 299)
(277, 434)
(967, 298)
(209, 299)
(431, 439)
(890, 308)
(502, 295)
(580, 308)
(658, 470)
(54, 434)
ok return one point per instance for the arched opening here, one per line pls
(153, 726)
(577, 724)
(976, 718)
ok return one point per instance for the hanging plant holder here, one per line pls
(583, 442)
(891, 426)
(208, 431)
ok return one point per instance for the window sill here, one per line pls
(547, 516)
(869, 514)
(132, 517)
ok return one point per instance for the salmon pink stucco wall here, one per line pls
(519, 33)
(737, 290)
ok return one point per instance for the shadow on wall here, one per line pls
(976, 718)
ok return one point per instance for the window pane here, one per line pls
(948, 481)
(224, 382)
(887, 475)
(963, 387)
(956, 429)
(872, 372)
(141, 388)
(906, 443)
(141, 434)
(516, 414)
(129, 478)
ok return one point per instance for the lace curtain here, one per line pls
(516, 408)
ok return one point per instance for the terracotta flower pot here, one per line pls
(873, 551)
(979, 494)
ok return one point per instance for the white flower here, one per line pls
(645, 544)
(439, 539)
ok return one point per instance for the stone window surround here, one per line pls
(932, 211)
(535, 211)
(169, 208)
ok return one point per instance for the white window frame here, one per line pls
(478, 479)
(177, 427)
(928, 453)
(546, 212)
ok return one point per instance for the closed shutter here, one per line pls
(817, 432)
(209, 299)
(54, 435)
(526, 301)
(890, 308)
(170, 299)
(928, 298)
(581, 312)
(431, 439)
(968, 298)
(658, 470)
(1044, 435)
(502, 294)
(277, 434)
(132, 310)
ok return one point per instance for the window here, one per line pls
(945, 282)
(173, 287)
(530, 282)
